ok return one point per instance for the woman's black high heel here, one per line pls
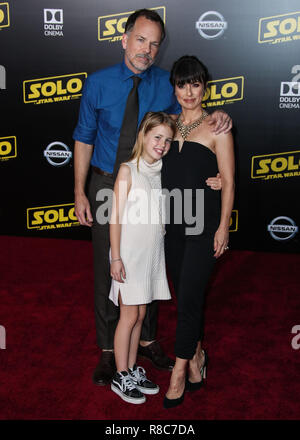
(194, 386)
(171, 403)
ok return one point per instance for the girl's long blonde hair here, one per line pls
(150, 121)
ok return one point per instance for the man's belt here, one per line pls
(101, 172)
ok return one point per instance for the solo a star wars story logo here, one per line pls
(224, 91)
(276, 165)
(8, 147)
(52, 217)
(282, 28)
(4, 15)
(53, 89)
(234, 221)
(112, 27)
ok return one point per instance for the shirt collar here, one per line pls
(127, 73)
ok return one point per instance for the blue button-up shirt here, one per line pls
(103, 104)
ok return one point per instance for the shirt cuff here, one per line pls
(84, 134)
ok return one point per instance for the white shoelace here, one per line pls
(139, 374)
(127, 383)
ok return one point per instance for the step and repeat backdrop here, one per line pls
(252, 50)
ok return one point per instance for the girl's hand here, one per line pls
(214, 182)
(221, 241)
(117, 271)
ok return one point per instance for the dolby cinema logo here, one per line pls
(58, 154)
(290, 90)
(282, 228)
(211, 25)
(53, 22)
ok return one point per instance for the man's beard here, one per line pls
(138, 67)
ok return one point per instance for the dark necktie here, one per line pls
(129, 126)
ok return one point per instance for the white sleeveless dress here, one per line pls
(142, 239)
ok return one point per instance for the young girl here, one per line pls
(137, 250)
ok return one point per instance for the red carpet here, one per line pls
(47, 311)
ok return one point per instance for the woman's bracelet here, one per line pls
(115, 259)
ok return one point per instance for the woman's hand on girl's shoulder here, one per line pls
(220, 122)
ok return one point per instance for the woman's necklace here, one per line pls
(186, 129)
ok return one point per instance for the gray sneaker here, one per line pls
(123, 385)
(138, 375)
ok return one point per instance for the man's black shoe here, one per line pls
(105, 369)
(155, 354)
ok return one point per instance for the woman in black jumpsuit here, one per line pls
(195, 154)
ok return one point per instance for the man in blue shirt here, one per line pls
(96, 137)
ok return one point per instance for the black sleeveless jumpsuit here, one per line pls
(189, 258)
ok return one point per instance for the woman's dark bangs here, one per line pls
(186, 73)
